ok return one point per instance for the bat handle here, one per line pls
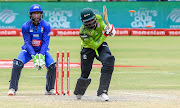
(104, 8)
(108, 25)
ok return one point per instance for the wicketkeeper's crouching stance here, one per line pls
(36, 34)
(93, 46)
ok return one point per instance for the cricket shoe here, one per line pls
(104, 97)
(78, 96)
(51, 92)
(11, 92)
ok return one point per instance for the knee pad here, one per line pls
(18, 64)
(81, 86)
(108, 65)
(52, 67)
(109, 61)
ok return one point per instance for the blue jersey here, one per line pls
(36, 39)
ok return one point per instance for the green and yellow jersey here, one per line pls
(95, 37)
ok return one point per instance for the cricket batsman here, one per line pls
(93, 33)
(36, 34)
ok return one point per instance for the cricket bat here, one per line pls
(105, 16)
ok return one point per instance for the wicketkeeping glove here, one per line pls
(36, 61)
(41, 61)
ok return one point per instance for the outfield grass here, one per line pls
(131, 87)
(161, 54)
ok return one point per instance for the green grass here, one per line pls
(161, 54)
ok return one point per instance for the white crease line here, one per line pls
(15, 96)
(150, 95)
(146, 73)
(36, 76)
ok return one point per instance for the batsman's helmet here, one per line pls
(35, 8)
(88, 18)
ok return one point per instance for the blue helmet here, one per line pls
(35, 8)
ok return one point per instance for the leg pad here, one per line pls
(81, 86)
(51, 77)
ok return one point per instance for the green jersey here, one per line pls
(95, 37)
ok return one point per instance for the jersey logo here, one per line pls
(105, 45)
(98, 25)
(84, 56)
(35, 35)
(36, 43)
(30, 30)
(84, 36)
(41, 29)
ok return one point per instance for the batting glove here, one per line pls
(109, 31)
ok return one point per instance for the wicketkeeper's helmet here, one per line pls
(88, 18)
(35, 8)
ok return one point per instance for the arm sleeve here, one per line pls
(27, 40)
(46, 39)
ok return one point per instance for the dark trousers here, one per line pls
(107, 60)
(88, 55)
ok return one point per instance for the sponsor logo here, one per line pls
(7, 16)
(176, 33)
(105, 45)
(122, 32)
(35, 35)
(173, 32)
(148, 33)
(143, 17)
(174, 16)
(31, 30)
(58, 18)
(98, 25)
(52, 33)
(68, 33)
(17, 63)
(87, 15)
(6, 32)
(84, 56)
(105, 91)
(36, 7)
(36, 43)
(84, 36)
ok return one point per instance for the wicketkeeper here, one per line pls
(93, 46)
(36, 34)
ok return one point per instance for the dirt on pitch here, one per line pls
(118, 99)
